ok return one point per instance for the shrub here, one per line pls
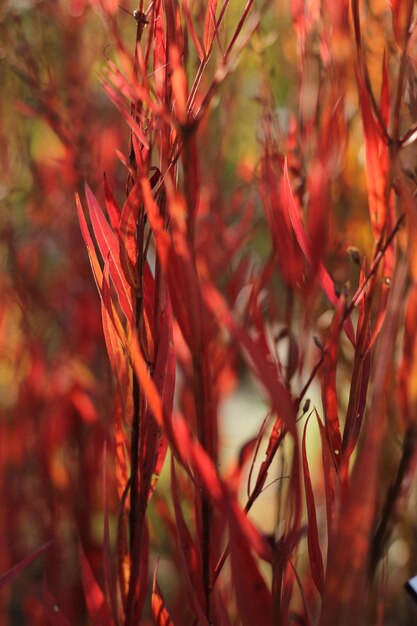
(246, 238)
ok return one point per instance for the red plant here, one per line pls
(203, 279)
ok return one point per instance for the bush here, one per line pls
(252, 237)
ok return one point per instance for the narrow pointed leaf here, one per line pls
(17, 569)
(112, 207)
(314, 551)
(98, 608)
(253, 598)
(108, 245)
(191, 29)
(322, 275)
(188, 554)
(160, 613)
(210, 25)
(95, 265)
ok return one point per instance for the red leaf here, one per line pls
(123, 557)
(347, 572)
(164, 372)
(98, 608)
(377, 155)
(206, 474)
(360, 375)
(387, 273)
(329, 476)
(191, 29)
(112, 207)
(188, 554)
(115, 339)
(402, 11)
(108, 575)
(95, 265)
(122, 91)
(139, 569)
(176, 262)
(322, 275)
(160, 614)
(156, 222)
(385, 104)
(178, 84)
(241, 526)
(286, 248)
(234, 474)
(120, 445)
(123, 107)
(128, 235)
(318, 208)
(276, 437)
(210, 25)
(263, 364)
(221, 604)
(159, 53)
(147, 384)
(17, 569)
(328, 384)
(314, 551)
(253, 598)
(362, 396)
(108, 245)
(193, 453)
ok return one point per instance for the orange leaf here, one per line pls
(210, 25)
(160, 614)
(96, 602)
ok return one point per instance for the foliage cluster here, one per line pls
(255, 227)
